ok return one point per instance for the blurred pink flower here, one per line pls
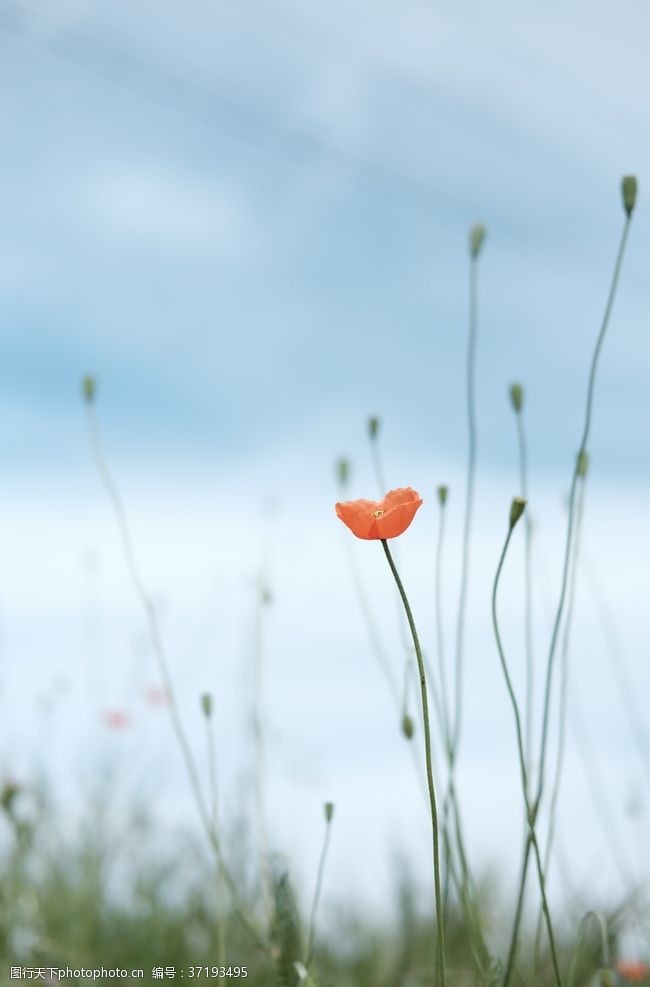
(156, 696)
(116, 719)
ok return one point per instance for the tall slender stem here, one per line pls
(214, 815)
(444, 691)
(469, 504)
(567, 552)
(572, 504)
(317, 892)
(530, 814)
(528, 616)
(564, 691)
(442, 972)
(163, 665)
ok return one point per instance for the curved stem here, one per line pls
(528, 530)
(161, 657)
(564, 689)
(569, 538)
(530, 813)
(442, 972)
(572, 505)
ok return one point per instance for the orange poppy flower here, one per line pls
(636, 973)
(380, 519)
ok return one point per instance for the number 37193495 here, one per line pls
(217, 971)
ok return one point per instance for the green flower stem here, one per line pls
(567, 552)
(469, 504)
(528, 529)
(564, 690)
(161, 657)
(214, 816)
(442, 972)
(374, 638)
(444, 690)
(317, 893)
(403, 632)
(530, 814)
(257, 725)
(450, 801)
(572, 504)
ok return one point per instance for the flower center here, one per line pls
(378, 512)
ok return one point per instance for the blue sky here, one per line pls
(250, 222)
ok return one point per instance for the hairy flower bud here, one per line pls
(629, 188)
(88, 387)
(407, 726)
(476, 239)
(443, 491)
(329, 811)
(516, 392)
(206, 704)
(516, 510)
(373, 427)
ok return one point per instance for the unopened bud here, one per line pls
(343, 472)
(443, 490)
(206, 704)
(628, 188)
(88, 388)
(373, 427)
(476, 239)
(516, 510)
(516, 397)
(582, 464)
(407, 726)
(329, 811)
(607, 978)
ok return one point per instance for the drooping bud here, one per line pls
(373, 427)
(476, 239)
(342, 472)
(629, 188)
(582, 464)
(329, 811)
(517, 508)
(516, 392)
(206, 705)
(407, 726)
(88, 387)
(443, 491)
